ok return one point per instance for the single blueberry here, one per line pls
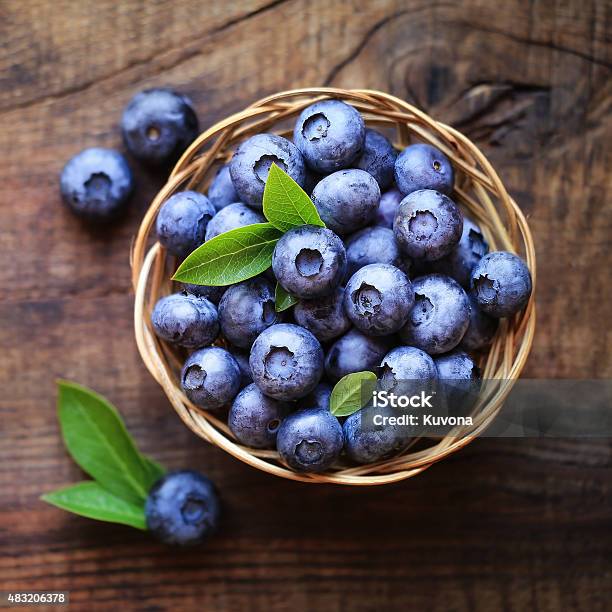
(182, 508)
(354, 352)
(421, 166)
(221, 191)
(182, 222)
(245, 310)
(310, 440)
(212, 294)
(232, 217)
(387, 209)
(378, 299)
(372, 245)
(309, 261)
(378, 158)
(459, 381)
(457, 365)
(481, 329)
(96, 184)
(324, 317)
(440, 314)
(185, 320)
(211, 377)
(427, 225)
(347, 200)
(407, 366)
(242, 359)
(319, 398)
(501, 283)
(255, 418)
(158, 125)
(252, 160)
(460, 262)
(286, 361)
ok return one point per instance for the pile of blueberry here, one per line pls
(398, 282)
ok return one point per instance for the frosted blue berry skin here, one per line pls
(460, 262)
(421, 166)
(245, 310)
(372, 245)
(324, 316)
(440, 315)
(96, 184)
(481, 328)
(318, 398)
(158, 125)
(309, 261)
(252, 160)
(427, 225)
(242, 359)
(406, 363)
(221, 192)
(286, 361)
(185, 320)
(355, 352)
(255, 418)
(182, 222)
(501, 284)
(378, 299)
(347, 200)
(387, 208)
(330, 134)
(212, 294)
(182, 508)
(211, 377)
(310, 440)
(459, 380)
(378, 158)
(232, 217)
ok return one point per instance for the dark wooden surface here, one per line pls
(504, 524)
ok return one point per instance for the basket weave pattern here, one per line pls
(478, 188)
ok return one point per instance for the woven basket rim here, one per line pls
(479, 189)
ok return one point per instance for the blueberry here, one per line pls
(460, 380)
(182, 508)
(310, 440)
(461, 260)
(501, 283)
(365, 442)
(182, 222)
(378, 299)
(158, 125)
(309, 261)
(387, 209)
(440, 314)
(212, 294)
(312, 179)
(252, 160)
(330, 134)
(354, 352)
(221, 191)
(421, 166)
(185, 320)
(427, 225)
(405, 364)
(481, 329)
(372, 245)
(324, 317)
(255, 418)
(319, 398)
(378, 158)
(211, 377)
(232, 217)
(245, 310)
(347, 200)
(96, 184)
(242, 359)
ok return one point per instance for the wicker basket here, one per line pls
(478, 189)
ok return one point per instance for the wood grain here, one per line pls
(505, 524)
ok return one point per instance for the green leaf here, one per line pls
(348, 395)
(98, 441)
(282, 299)
(230, 257)
(91, 500)
(285, 204)
(154, 470)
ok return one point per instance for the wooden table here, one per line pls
(504, 524)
